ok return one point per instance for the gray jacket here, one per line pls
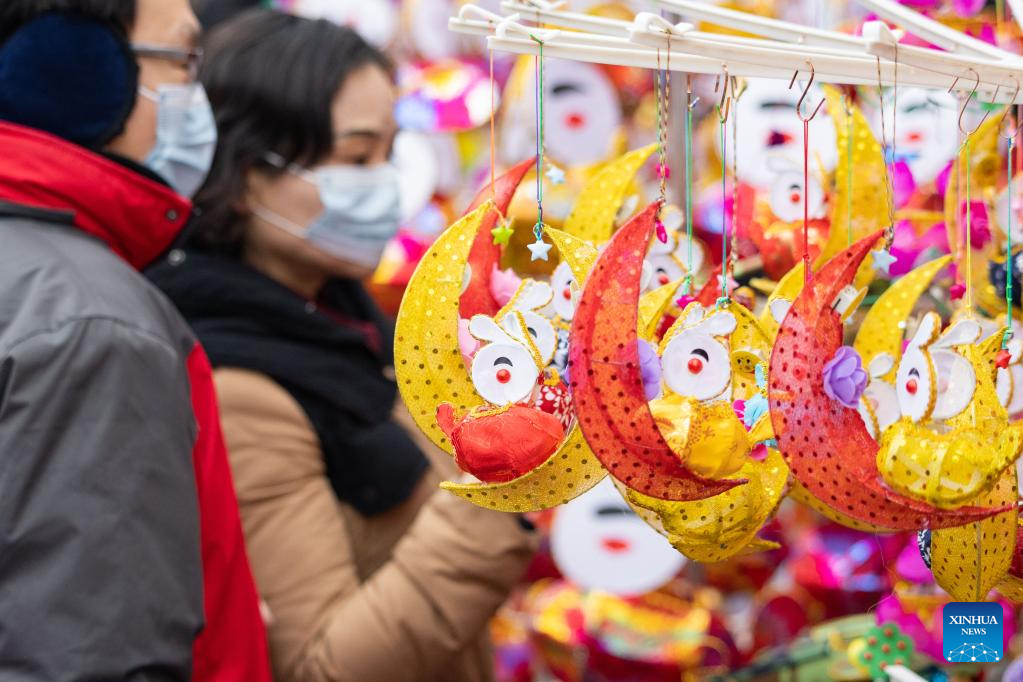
(100, 568)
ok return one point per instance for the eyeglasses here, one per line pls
(189, 58)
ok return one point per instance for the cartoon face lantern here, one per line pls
(960, 455)
(582, 113)
(694, 361)
(770, 135)
(516, 351)
(508, 437)
(921, 114)
(695, 415)
(598, 542)
(933, 380)
(667, 261)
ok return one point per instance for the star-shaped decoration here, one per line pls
(555, 175)
(882, 260)
(502, 233)
(957, 291)
(539, 250)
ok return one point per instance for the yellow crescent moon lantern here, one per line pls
(593, 214)
(969, 561)
(869, 199)
(572, 469)
(428, 364)
(882, 328)
(962, 464)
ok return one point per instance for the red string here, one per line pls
(806, 202)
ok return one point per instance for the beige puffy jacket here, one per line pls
(401, 596)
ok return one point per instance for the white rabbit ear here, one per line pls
(485, 328)
(719, 324)
(532, 295)
(960, 333)
(880, 365)
(779, 308)
(927, 331)
(646, 275)
(1015, 348)
(692, 315)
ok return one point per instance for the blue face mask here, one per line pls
(186, 136)
(360, 211)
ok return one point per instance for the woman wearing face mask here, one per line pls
(370, 572)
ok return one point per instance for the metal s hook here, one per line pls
(973, 93)
(1010, 105)
(802, 98)
(725, 104)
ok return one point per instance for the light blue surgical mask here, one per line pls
(360, 210)
(186, 136)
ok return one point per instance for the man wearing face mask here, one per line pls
(122, 553)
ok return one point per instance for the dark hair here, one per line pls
(271, 78)
(15, 13)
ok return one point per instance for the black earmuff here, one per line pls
(68, 75)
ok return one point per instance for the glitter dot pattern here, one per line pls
(826, 445)
(605, 377)
(593, 214)
(869, 201)
(428, 364)
(969, 561)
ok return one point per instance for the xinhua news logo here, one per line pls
(972, 632)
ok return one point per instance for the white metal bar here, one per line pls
(934, 32)
(774, 29)
(716, 45)
(697, 52)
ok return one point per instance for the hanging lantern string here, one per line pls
(969, 232)
(888, 152)
(690, 103)
(737, 92)
(1009, 190)
(968, 243)
(806, 166)
(723, 108)
(493, 113)
(848, 169)
(1008, 246)
(662, 83)
(538, 66)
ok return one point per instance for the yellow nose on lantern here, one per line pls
(708, 437)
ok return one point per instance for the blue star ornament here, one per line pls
(882, 260)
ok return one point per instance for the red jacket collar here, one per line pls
(135, 216)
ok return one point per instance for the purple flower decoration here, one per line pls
(844, 377)
(649, 369)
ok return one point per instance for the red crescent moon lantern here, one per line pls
(826, 445)
(485, 254)
(607, 388)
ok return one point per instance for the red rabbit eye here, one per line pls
(695, 365)
(911, 387)
(566, 293)
(503, 376)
